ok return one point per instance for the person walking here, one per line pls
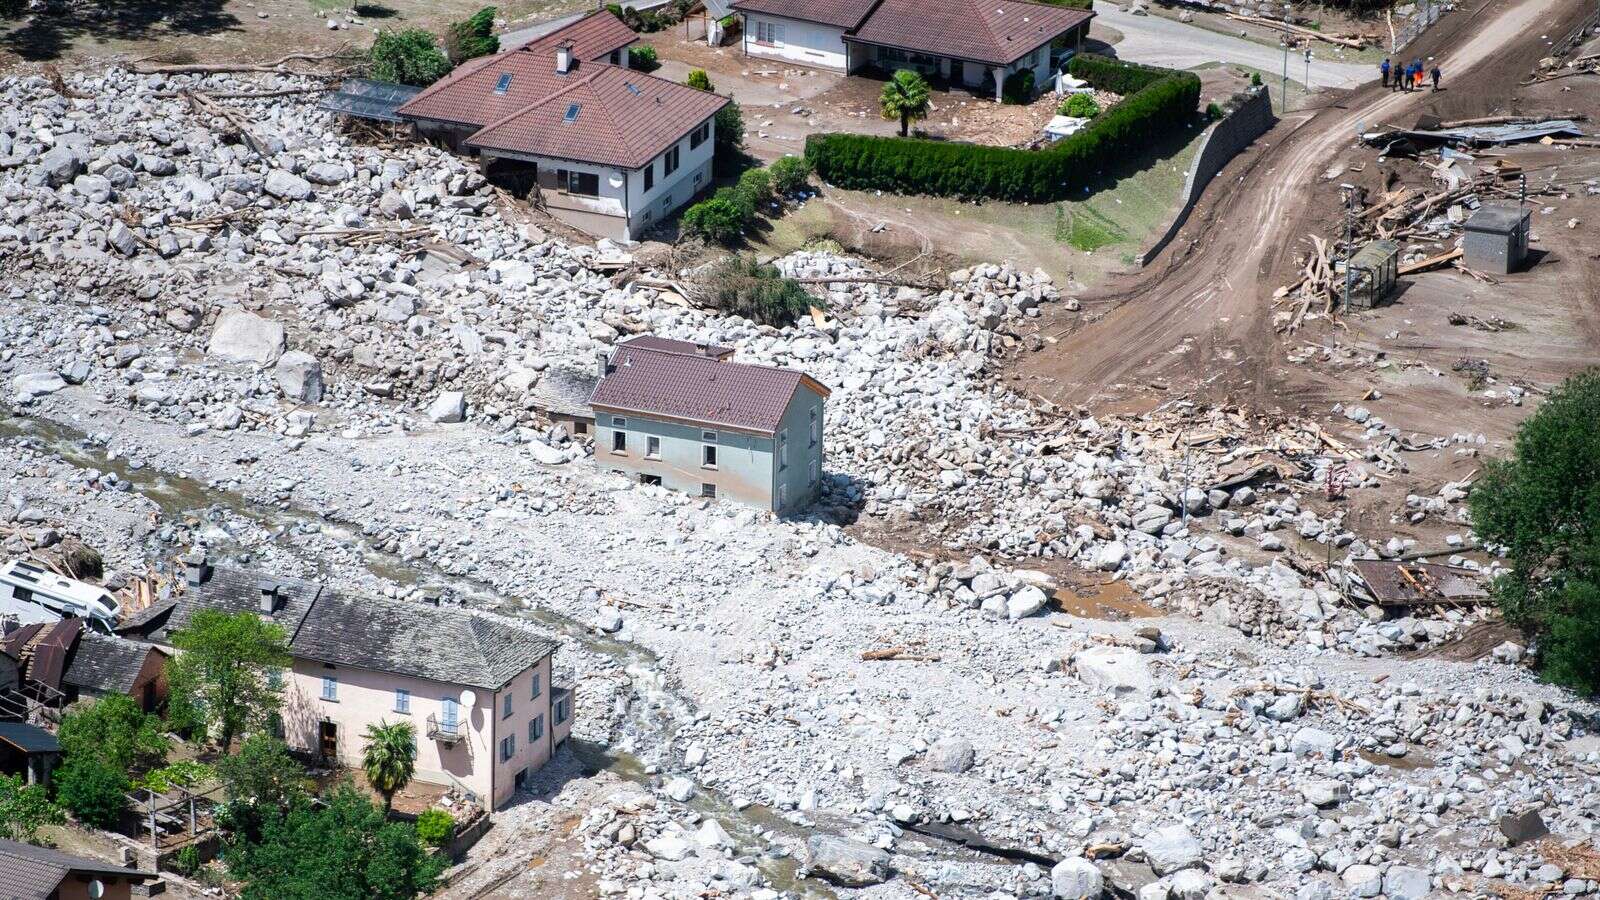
(1419, 76)
(1402, 76)
(1435, 73)
(1384, 68)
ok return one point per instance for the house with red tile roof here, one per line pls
(685, 416)
(971, 43)
(608, 148)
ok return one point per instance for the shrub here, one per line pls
(1069, 4)
(643, 58)
(473, 38)
(183, 773)
(1255, 79)
(113, 730)
(1156, 102)
(94, 791)
(24, 809)
(699, 80)
(790, 174)
(728, 156)
(719, 219)
(1079, 106)
(187, 861)
(755, 188)
(408, 57)
(615, 9)
(435, 827)
(1018, 87)
(1213, 111)
(742, 286)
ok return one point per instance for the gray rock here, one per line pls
(394, 206)
(448, 408)
(76, 372)
(1025, 602)
(299, 376)
(241, 336)
(952, 755)
(1363, 880)
(1307, 741)
(182, 320)
(609, 621)
(1406, 883)
(287, 186)
(1325, 792)
(1191, 884)
(59, 165)
(1172, 849)
(1118, 671)
(1528, 826)
(1076, 878)
(845, 862)
(121, 239)
(37, 384)
(158, 165)
(327, 173)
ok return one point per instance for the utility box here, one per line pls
(1377, 268)
(1496, 239)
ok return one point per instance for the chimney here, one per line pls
(196, 568)
(602, 361)
(564, 57)
(271, 600)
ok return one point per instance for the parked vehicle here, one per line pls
(33, 593)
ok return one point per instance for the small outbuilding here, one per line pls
(1497, 239)
(28, 751)
(30, 872)
(1377, 269)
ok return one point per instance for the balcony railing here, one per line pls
(444, 732)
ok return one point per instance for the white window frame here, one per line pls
(811, 473)
(783, 449)
(652, 447)
(708, 456)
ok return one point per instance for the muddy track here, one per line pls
(1198, 319)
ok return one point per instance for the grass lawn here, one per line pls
(1081, 240)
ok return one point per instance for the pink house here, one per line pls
(477, 690)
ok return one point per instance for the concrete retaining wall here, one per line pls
(1247, 122)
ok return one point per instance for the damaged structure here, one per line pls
(684, 416)
(1496, 238)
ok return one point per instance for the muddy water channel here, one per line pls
(654, 710)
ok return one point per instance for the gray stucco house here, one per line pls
(684, 416)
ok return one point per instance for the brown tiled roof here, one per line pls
(614, 116)
(468, 95)
(29, 872)
(841, 13)
(668, 345)
(998, 32)
(698, 389)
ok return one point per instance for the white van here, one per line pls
(33, 593)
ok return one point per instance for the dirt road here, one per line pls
(1198, 318)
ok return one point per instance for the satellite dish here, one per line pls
(468, 699)
(96, 890)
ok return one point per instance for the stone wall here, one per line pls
(1247, 122)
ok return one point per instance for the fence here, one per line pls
(1427, 13)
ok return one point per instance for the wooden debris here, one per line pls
(277, 65)
(1432, 262)
(897, 654)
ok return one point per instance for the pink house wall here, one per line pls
(366, 697)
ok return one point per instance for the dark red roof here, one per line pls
(998, 32)
(841, 13)
(698, 389)
(612, 116)
(668, 345)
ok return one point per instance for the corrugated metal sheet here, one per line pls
(366, 99)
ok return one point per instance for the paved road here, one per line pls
(516, 37)
(1164, 42)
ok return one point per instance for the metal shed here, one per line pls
(1377, 268)
(1497, 239)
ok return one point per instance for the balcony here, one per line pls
(448, 733)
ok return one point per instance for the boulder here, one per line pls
(327, 173)
(1076, 878)
(59, 165)
(680, 789)
(1111, 556)
(668, 847)
(1025, 602)
(447, 408)
(845, 862)
(1406, 883)
(952, 755)
(37, 384)
(393, 205)
(1307, 741)
(1363, 880)
(609, 621)
(286, 185)
(1325, 792)
(241, 336)
(545, 454)
(1118, 671)
(300, 377)
(1191, 884)
(1172, 849)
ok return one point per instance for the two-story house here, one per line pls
(685, 416)
(478, 691)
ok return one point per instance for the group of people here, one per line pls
(1407, 77)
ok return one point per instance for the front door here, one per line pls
(328, 740)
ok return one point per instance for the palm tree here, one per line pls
(390, 758)
(905, 97)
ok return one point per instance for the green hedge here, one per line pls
(1155, 102)
(1069, 4)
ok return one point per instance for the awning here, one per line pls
(366, 99)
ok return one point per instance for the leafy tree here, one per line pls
(720, 219)
(410, 57)
(261, 782)
(472, 38)
(1079, 106)
(742, 286)
(643, 58)
(1543, 506)
(390, 758)
(790, 174)
(435, 827)
(345, 850)
(905, 97)
(94, 790)
(699, 80)
(113, 730)
(221, 679)
(24, 809)
(1018, 87)
(728, 151)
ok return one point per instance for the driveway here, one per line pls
(1163, 42)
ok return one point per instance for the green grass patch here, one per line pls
(1087, 229)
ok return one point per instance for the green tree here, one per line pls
(790, 174)
(643, 58)
(344, 850)
(435, 827)
(1079, 106)
(728, 154)
(472, 38)
(115, 731)
(261, 782)
(221, 681)
(743, 286)
(699, 80)
(905, 97)
(24, 809)
(390, 758)
(408, 57)
(94, 790)
(720, 219)
(1543, 506)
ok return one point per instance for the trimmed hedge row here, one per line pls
(1156, 102)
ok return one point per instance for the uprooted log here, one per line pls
(897, 653)
(1299, 31)
(141, 68)
(972, 840)
(210, 109)
(1432, 262)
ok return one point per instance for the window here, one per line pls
(504, 84)
(402, 701)
(505, 708)
(811, 473)
(585, 183)
(708, 491)
(816, 427)
(699, 135)
(649, 175)
(708, 436)
(669, 161)
(652, 447)
(783, 449)
(619, 421)
(508, 747)
(580, 427)
(708, 456)
(449, 713)
(330, 688)
(769, 33)
(535, 729)
(534, 694)
(619, 442)
(616, 57)
(563, 709)
(572, 112)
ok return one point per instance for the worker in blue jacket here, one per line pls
(1384, 68)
